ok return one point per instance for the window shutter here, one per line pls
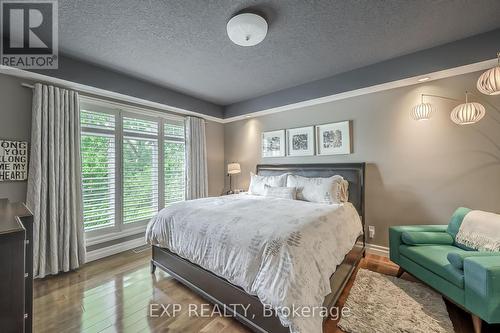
(175, 163)
(133, 163)
(98, 169)
(140, 169)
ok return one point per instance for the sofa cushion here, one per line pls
(426, 237)
(456, 222)
(457, 259)
(434, 258)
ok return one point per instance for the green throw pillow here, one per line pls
(455, 223)
(457, 259)
(426, 238)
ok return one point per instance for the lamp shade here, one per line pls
(233, 168)
(423, 111)
(468, 113)
(489, 82)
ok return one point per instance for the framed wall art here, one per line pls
(334, 138)
(300, 141)
(273, 144)
(13, 160)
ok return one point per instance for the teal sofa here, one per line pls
(469, 278)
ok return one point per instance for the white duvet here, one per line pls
(282, 251)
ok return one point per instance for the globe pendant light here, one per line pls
(422, 111)
(489, 82)
(467, 113)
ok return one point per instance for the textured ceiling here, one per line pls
(183, 45)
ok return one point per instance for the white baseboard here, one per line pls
(378, 250)
(114, 249)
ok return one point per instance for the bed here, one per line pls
(274, 275)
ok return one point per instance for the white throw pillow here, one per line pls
(332, 190)
(258, 183)
(281, 192)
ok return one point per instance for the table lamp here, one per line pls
(232, 169)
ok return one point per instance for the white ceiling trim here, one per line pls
(326, 99)
(372, 89)
(85, 89)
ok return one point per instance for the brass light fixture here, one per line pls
(489, 82)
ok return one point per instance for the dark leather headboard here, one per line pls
(354, 173)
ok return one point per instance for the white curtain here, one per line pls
(196, 158)
(54, 181)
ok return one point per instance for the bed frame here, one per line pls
(221, 292)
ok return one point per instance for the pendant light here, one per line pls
(467, 113)
(489, 82)
(422, 111)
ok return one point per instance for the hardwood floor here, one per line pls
(114, 295)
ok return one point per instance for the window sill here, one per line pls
(105, 237)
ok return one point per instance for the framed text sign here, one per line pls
(13, 160)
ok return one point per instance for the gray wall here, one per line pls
(462, 52)
(15, 123)
(418, 172)
(215, 157)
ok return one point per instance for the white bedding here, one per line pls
(283, 251)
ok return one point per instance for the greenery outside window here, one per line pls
(133, 164)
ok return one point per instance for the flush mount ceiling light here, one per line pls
(467, 113)
(489, 82)
(423, 111)
(247, 29)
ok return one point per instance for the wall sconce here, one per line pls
(464, 114)
(489, 82)
(467, 113)
(422, 111)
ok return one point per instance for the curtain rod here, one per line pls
(27, 85)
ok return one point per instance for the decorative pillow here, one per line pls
(332, 190)
(258, 183)
(456, 220)
(281, 192)
(480, 230)
(426, 237)
(457, 259)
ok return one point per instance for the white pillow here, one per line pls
(281, 192)
(258, 183)
(332, 190)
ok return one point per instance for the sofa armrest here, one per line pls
(396, 232)
(482, 287)
(457, 258)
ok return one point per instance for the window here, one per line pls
(132, 166)
(174, 155)
(98, 169)
(140, 169)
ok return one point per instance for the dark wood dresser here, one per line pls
(16, 268)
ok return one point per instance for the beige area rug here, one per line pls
(386, 304)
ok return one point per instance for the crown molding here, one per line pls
(438, 75)
(91, 92)
(85, 89)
